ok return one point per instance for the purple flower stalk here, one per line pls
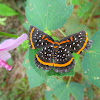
(8, 45)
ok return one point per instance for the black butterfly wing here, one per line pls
(43, 58)
(75, 42)
(38, 39)
(63, 61)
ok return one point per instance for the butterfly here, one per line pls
(57, 54)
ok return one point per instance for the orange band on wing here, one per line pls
(64, 41)
(71, 38)
(63, 65)
(31, 38)
(51, 64)
(83, 46)
(55, 46)
(42, 62)
(43, 36)
(49, 40)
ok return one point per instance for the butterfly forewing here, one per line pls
(38, 39)
(43, 58)
(75, 42)
(64, 60)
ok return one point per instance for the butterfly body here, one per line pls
(57, 54)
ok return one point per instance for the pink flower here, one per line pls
(8, 45)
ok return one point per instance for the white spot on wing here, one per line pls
(74, 48)
(65, 49)
(60, 47)
(75, 38)
(79, 36)
(77, 44)
(73, 43)
(35, 40)
(45, 48)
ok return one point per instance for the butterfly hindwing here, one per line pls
(75, 42)
(64, 60)
(43, 58)
(38, 39)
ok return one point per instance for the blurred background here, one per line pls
(14, 84)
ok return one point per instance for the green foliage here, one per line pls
(91, 61)
(35, 78)
(25, 44)
(84, 7)
(73, 26)
(32, 54)
(63, 91)
(26, 26)
(2, 21)
(90, 92)
(47, 14)
(53, 73)
(76, 2)
(8, 35)
(98, 23)
(55, 38)
(77, 67)
(6, 11)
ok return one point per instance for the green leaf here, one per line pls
(25, 44)
(76, 2)
(52, 81)
(48, 32)
(2, 21)
(48, 95)
(76, 56)
(98, 23)
(47, 14)
(78, 63)
(73, 26)
(8, 35)
(41, 72)
(55, 38)
(90, 94)
(53, 73)
(91, 61)
(63, 91)
(83, 8)
(6, 11)
(26, 26)
(33, 77)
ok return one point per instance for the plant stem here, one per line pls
(8, 35)
(62, 32)
(69, 80)
(94, 9)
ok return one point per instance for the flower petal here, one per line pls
(5, 65)
(4, 55)
(12, 43)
